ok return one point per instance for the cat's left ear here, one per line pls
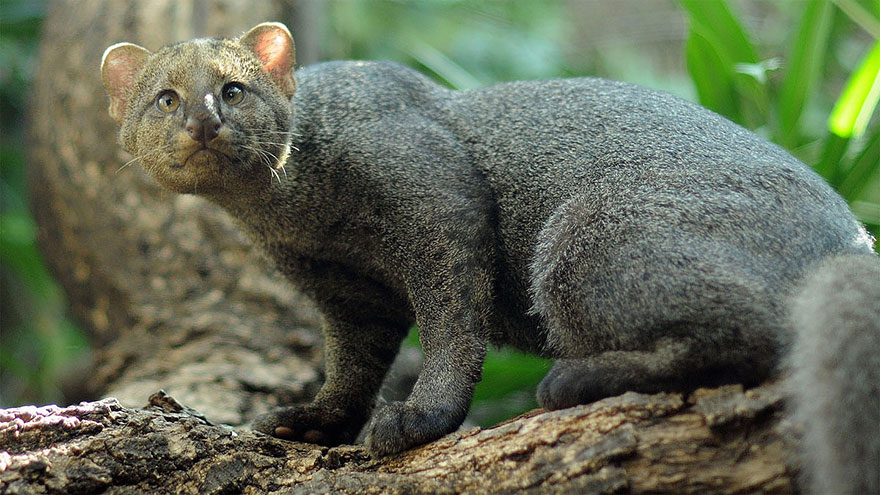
(120, 66)
(272, 43)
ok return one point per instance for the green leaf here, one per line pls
(859, 98)
(721, 59)
(863, 169)
(713, 83)
(714, 20)
(868, 213)
(441, 65)
(805, 64)
(506, 371)
(833, 152)
(865, 13)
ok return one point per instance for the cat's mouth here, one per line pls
(205, 156)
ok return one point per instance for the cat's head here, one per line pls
(207, 116)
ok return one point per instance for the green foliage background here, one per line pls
(36, 339)
(779, 68)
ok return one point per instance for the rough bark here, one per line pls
(174, 297)
(722, 441)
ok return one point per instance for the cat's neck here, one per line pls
(249, 203)
(268, 213)
(249, 199)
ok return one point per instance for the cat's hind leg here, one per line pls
(671, 366)
(629, 302)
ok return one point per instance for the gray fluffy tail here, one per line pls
(835, 375)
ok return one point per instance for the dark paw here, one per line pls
(570, 383)
(400, 425)
(310, 424)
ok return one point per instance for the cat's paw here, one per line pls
(401, 425)
(571, 382)
(309, 423)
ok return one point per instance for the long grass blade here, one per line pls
(867, 18)
(864, 168)
(805, 63)
(713, 83)
(718, 50)
(441, 65)
(859, 98)
(729, 36)
(833, 152)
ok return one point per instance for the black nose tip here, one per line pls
(203, 130)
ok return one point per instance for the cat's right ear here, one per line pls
(272, 43)
(120, 66)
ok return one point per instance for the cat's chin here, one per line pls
(205, 173)
(194, 174)
(205, 158)
(184, 185)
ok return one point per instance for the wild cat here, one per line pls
(644, 242)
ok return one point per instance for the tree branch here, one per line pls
(720, 441)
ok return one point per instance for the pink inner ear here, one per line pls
(122, 72)
(274, 51)
(120, 68)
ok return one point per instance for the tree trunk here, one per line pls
(170, 292)
(174, 297)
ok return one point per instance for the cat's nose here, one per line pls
(203, 130)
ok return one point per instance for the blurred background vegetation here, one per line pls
(804, 74)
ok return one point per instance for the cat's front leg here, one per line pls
(357, 357)
(441, 396)
(364, 326)
(451, 296)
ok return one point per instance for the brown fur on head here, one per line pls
(207, 116)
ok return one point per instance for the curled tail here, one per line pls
(835, 375)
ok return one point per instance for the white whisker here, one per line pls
(145, 155)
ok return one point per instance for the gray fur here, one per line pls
(643, 240)
(835, 367)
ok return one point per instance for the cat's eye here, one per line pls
(233, 93)
(167, 101)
